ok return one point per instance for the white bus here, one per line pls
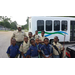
(53, 26)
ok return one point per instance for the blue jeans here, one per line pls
(56, 56)
(24, 55)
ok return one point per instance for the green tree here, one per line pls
(6, 22)
(14, 25)
(26, 25)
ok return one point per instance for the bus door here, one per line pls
(72, 30)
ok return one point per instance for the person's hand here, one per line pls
(63, 48)
(33, 35)
(39, 50)
(28, 56)
(46, 57)
(23, 56)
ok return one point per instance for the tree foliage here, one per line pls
(26, 25)
(6, 22)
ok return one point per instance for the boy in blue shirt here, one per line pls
(46, 49)
(33, 50)
(37, 41)
(13, 50)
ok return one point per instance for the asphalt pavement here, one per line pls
(4, 43)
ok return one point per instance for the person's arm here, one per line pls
(28, 56)
(18, 53)
(8, 52)
(28, 53)
(43, 55)
(42, 51)
(22, 54)
(41, 41)
(33, 35)
(51, 54)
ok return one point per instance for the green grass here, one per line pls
(3, 30)
(26, 30)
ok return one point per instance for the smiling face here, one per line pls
(30, 34)
(36, 32)
(26, 39)
(56, 39)
(42, 33)
(13, 41)
(46, 41)
(32, 42)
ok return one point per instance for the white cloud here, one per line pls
(21, 20)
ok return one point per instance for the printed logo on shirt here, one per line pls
(31, 50)
(21, 44)
(59, 47)
(44, 49)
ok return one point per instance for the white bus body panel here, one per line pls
(61, 37)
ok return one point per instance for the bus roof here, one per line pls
(51, 17)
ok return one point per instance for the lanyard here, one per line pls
(38, 52)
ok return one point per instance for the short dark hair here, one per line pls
(42, 31)
(25, 36)
(46, 39)
(56, 37)
(32, 40)
(37, 38)
(30, 32)
(13, 39)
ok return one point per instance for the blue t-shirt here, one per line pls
(47, 50)
(13, 51)
(32, 51)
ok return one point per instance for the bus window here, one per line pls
(48, 25)
(64, 25)
(40, 25)
(56, 25)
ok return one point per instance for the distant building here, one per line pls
(3, 28)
